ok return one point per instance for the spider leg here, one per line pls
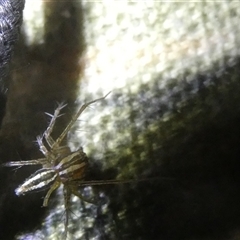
(79, 195)
(55, 185)
(42, 148)
(74, 119)
(67, 195)
(49, 129)
(24, 163)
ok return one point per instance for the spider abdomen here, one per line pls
(40, 179)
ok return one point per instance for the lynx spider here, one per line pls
(60, 166)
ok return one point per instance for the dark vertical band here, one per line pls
(10, 22)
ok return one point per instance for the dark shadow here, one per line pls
(42, 75)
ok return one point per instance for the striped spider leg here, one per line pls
(59, 166)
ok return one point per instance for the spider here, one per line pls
(60, 166)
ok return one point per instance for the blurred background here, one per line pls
(172, 115)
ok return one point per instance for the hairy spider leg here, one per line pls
(27, 162)
(82, 183)
(74, 119)
(55, 186)
(42, 148)
(75, 192)
(67, 196)
(67, 192)
(47, 133)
